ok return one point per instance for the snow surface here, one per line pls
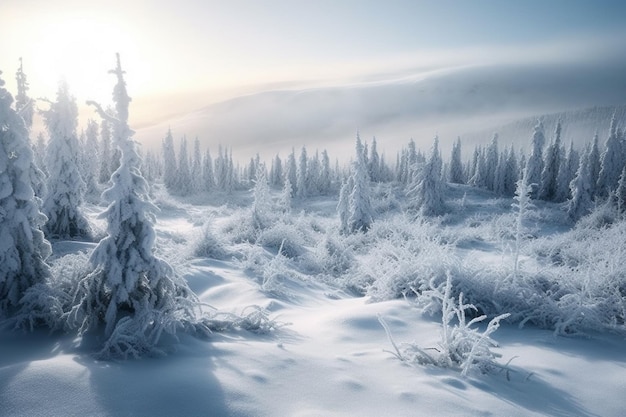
(332, 358)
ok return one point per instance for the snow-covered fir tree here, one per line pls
(343, 205)
(374, 163)
(511, 173)
(169, 162)
(594, 161)
(534, 164)
(91, 158)
(106, 153)
(549, 185)
(360, 217)
(425, 193)
(567, 172)
(65, 184)
(491, 164)
(131, 295)
(196, 168)
(611, 162)
(291, 171)
(285, 197)
(313, 175)
(455, 174)
(301, 174)
(183, 173)
(208, 177)
(262, 204)
(325, 179)
(23, 248)
(581, 188)
(23, 103)
(25, 108)
(276, 172)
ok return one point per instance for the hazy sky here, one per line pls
(185, 54)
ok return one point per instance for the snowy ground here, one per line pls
(331, 359)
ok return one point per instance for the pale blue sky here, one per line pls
(197, 51)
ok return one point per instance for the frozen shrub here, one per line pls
(333, 256)
(283, 237)
(461, 346)
(207, 245)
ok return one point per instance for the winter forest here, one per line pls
(467, 277)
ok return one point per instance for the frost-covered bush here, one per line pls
(461, 346)
(287, 239)
(207, 244)
(399, 256)
(332, 256)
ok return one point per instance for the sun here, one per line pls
(78, 48)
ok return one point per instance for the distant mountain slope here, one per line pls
(449, 103)
(578, 125)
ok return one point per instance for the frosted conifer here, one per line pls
(23, 248)
(534, 165)
(456, 165)
(65, 184)
(133, 294)
(196, 168)
(169, 162)
(301, 175)
(426, 190)
(611, 162)
(360, 207)
(549, 176)
(581, 188)
(208, 178)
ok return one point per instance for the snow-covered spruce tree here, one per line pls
(131, 293)
(262, 204)
(594, 162)
(510, 173)
(534, 165)
(196, 168)
(325, 174)
(456, 165)
(183, 174)
(498, 182)
(425, 193)
(552, 162)
(106, 155)
(169, 162)
(23, 104)
(374, 163)
(276, 172)
(522, 204)
(25, 108)
(360, 217)
(91, 157)
(581, 202)
(65, 184)
(567, 172)
(286, 197)
(291, 170)
(208, 178)
(343, 206)
(313, 175)
(23, 248)
(611, 162)
(491, 163)
(301, 175)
